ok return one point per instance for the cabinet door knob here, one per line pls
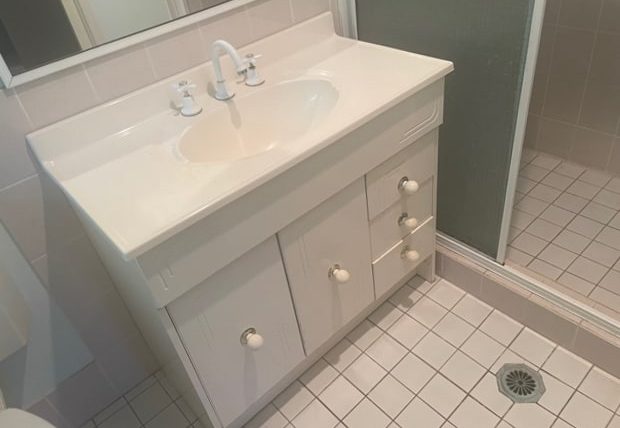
(408, 187)
(409, 222)
(338, 274)
(410, 255)
(251, 339)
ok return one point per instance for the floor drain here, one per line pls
(520, 383)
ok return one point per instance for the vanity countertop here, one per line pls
(120, 166)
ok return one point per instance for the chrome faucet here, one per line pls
(245, 67)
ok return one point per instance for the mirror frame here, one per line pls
(10, 81)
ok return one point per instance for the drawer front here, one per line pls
(399, 220)
(252, 292)
(393, 266)
(334, 233)
(414, 165)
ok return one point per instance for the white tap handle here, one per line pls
(339, 274)
(409, 222)
(408, 187)
(411, 255)
(251, 339)
(184, 86)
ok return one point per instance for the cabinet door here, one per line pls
(252, 292)
(334, 233)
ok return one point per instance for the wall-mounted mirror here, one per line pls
(37, 33)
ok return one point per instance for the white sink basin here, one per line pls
(259, 122)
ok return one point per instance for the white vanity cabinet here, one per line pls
(327, 258)
(240, 331)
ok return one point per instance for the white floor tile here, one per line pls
(546, 161)
(557, 256)
(524, 185)
(532, 206)
(557, 181)
(534, 172)
(567, 367)
(315, 415)
(544, 193)
(391, 396)
(463, 371)
(569, 169)
(442, 395)
(595, 177)
(340, 397)
(614, 185)
(124, 418)
(610, 237)
(558, 216)
(529, 416)
(509, 357)
(385, 315)
(602, 254)
(518, 257)
(501, 327)
(587, 269)
(575, 283)
(529, 244)
(545, 269)
(609, 199)
(602, 388)
(150, 402)
(367, 415)
(293, 400)
(543, 229)
(446, 294)
(413, 372)
(418, 413)
(532, 347)
(427, 312)
(598, 212)
(615, 422)
(386, 351)
(364, 334)
(364, 373)
(582, 412)
(405, 298)
(342, 355)
(584, 226)
(269, 417)
(472, 414)
(556, 395)
(454, 329)
(486, 392)
(434, 350)
(483, 349)
(472, 310)
(170, 417)
(583, 189)
(521, 220)
(407, 331)
(317, 377)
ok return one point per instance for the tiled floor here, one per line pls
(428, 358)
(566, 227)
(154, 403)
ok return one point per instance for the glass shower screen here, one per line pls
(487, 41)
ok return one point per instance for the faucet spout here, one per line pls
(217, 48)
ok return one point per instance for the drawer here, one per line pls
(390, 226)
(252, 292)
(413, 166)
(334, 233)
(393, 266)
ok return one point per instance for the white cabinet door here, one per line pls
(334, 233)
(252, 292)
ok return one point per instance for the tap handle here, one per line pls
(252, 78)
(184, 87)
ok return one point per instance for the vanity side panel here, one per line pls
(155, 326)
(201, 250)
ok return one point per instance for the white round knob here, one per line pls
(339, 274)
(409, 222)
(408, 187)
(410, 255)
(252, 339)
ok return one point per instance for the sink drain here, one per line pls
(520, 383)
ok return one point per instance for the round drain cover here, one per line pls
(520, 383)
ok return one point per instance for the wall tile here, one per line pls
(15, 164)
(531, 131)
(83, 395)
(600, 352)
(614, 158)
(609, 16)
(580, 13)
(538, 93)
(176, 52)
(45, 410)
(304, 9)
(552, 11)
(57, 97)
(606, 59)
(563, 98)
(234, 27)
(571, 53)
(555, 137)
(601, 107)
(269, 16)
(591, 148)
(120, 73)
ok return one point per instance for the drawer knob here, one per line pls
(408, 187)
(410, 255)
(409, 222)
(251, 339)
(338, 274)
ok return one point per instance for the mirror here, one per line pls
(34, 33)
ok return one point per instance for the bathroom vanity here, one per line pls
(250, 238)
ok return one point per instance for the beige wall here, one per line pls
(38, 217)
(575, 109)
